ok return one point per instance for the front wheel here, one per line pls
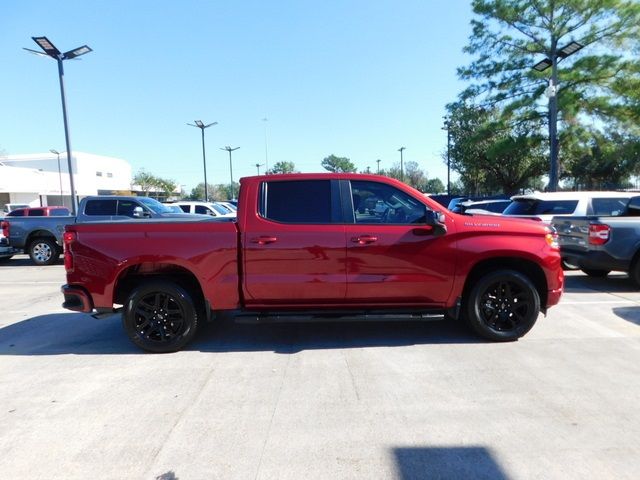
(596, 273)
(502, 306)
(160, 316)
(44, 251)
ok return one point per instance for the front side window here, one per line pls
(299, 201)
(375, 202)
(126, 207)
(201, 209)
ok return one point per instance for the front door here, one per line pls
(393, 257)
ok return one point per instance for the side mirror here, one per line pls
(138, 212)
(436, 220)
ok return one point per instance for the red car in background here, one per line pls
(40, 212)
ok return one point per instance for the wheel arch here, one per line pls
(41, 233)
(530, 269)
(133, 275)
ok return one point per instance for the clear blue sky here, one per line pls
(352, 78)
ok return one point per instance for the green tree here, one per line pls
(434, 185)
(219, 192)
(492, 155)
(282, 167)
(151, 184)
(338, 164)
(601, 81)
(414, 175)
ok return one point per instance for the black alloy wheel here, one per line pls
(160, 316)
(503, 306)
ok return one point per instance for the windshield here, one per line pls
(154, 205)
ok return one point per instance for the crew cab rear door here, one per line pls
(393, 257)
(293, 246)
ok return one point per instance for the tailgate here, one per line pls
(573, 232)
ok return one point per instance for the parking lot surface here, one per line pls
(319, 401)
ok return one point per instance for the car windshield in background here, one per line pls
(220, 209)
(541, 207)
(154, 205)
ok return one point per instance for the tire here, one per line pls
(44, 251)
(160, 316)
(596, 273)
(502, 306)
(634, 273)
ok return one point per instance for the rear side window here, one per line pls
(300, 201)
(609, 207)
(58, 212)
(541, 207)
(100, 207)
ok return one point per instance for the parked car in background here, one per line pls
(598, 244)
(483, 207)
(41, 236)
(40, 212)
(10, 207)
(546, 205)
(205, 208)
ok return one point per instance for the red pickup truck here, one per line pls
(302, 248)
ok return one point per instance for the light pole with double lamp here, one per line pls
(229, 149)
(447, 127)
(51, 51)
(552, 60)
(199, 124)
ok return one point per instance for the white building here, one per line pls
(40, 180)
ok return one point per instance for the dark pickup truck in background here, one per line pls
(41, 236)
(599, 244)
(302, 249)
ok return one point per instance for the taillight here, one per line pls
(5, 229)
(68, 238)
(599, 234)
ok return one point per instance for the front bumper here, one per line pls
(76, 299)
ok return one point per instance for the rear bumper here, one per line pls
(595, 260)
(76, 299)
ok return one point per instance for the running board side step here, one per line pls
(294, 317)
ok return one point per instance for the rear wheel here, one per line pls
(596, 273)
(502, 306)
(44, 251)
(160, 316)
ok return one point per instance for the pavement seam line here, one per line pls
(273, 414)
(353, 380)
(190, 404)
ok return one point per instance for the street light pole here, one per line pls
(199, 124)
(447, 127)
(401, 149)
(378, 162)
(555, 56)
(51, 51)
(229, 149)
(258, 165)
(55, 152)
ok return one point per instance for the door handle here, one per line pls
(264, 240)
(364, 239)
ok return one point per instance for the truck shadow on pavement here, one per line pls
(414, 463)
(615, 282)
(80, 334)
